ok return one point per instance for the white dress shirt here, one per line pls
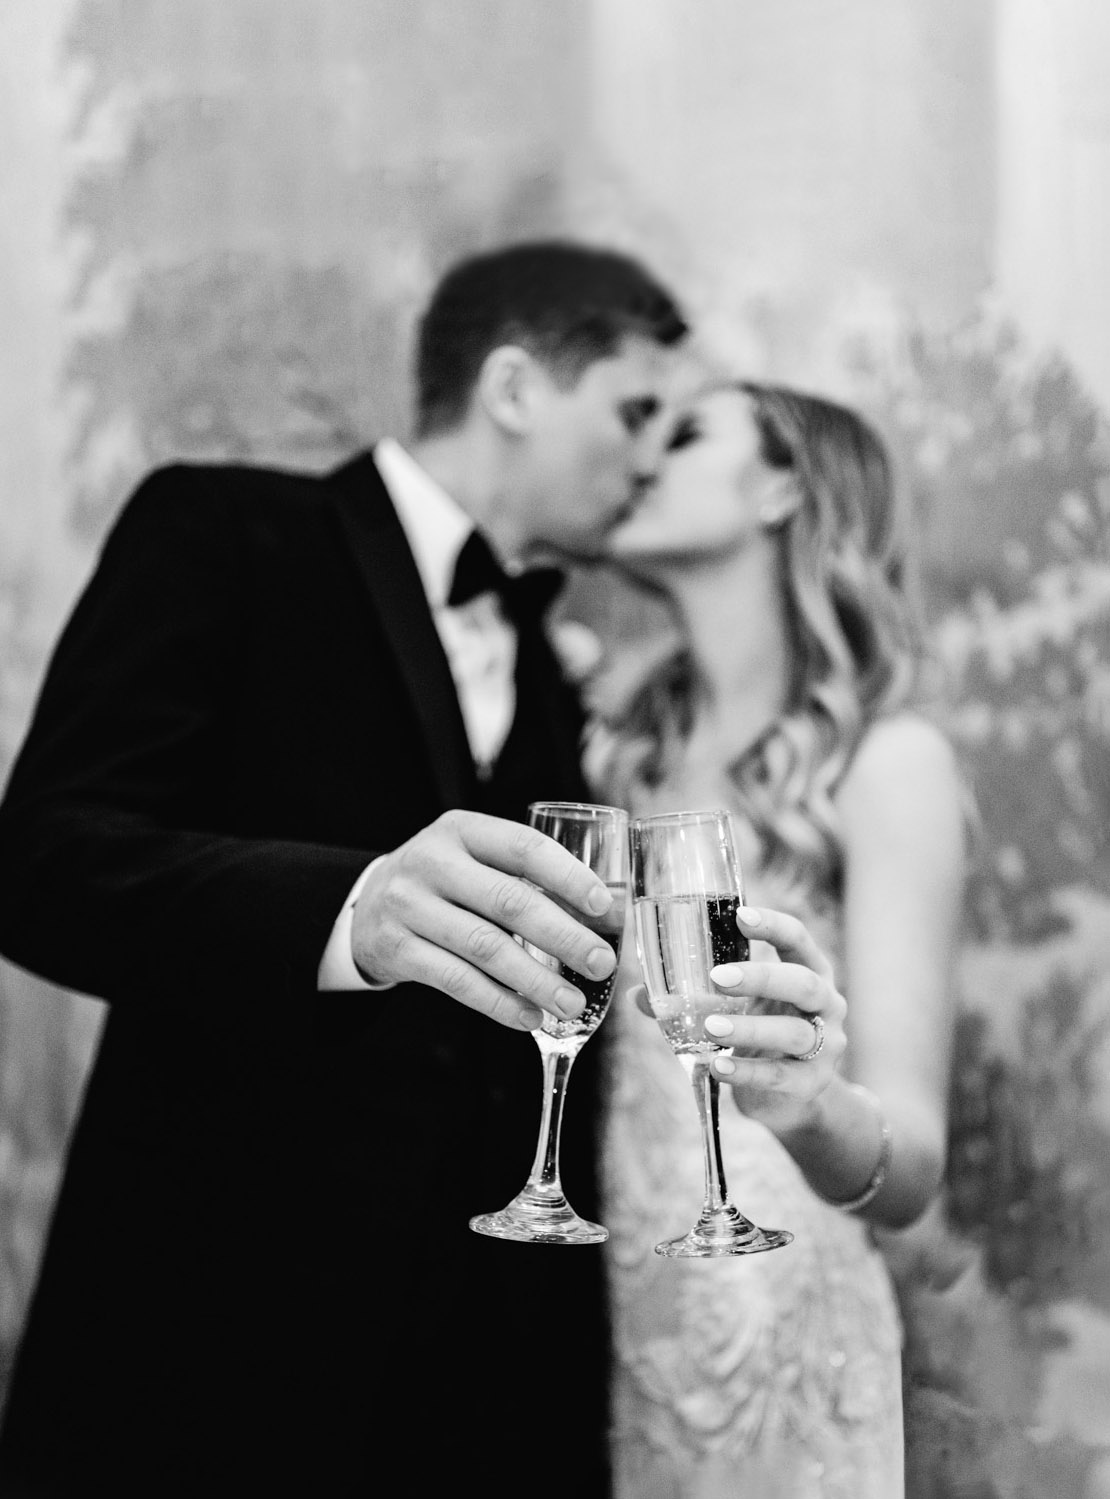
(478, 641)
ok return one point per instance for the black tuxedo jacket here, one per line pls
(259, 1277)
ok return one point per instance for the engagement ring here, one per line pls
(819, 1038)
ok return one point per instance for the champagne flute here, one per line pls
(540, 1212)
(686, 890)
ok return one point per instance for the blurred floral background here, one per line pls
(220, 219)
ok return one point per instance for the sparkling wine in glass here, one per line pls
(540, 1212)
(686, 889)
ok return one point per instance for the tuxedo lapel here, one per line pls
(392, 581)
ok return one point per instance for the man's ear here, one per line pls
(782, 497)
(506, 388)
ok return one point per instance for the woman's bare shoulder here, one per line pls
(904, 766)
(901, 743)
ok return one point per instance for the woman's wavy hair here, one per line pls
(855, 639)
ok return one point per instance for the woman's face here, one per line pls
(711, 490)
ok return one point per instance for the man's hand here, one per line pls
(444, 907)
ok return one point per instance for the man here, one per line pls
(270, 809)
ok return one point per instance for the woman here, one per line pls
(775, 533)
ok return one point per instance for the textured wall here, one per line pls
(1053, 249)
(1006, 1292)
(810, 152)
(279, 186)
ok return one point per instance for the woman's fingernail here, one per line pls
(728, 975)
(717, 1025)
(725, 1065)
(748, 916)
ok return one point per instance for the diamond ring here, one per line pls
(818, 1038)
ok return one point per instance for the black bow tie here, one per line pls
(527, 595)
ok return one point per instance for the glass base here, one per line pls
(529, 1221)
(721, 1233)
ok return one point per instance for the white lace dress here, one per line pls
(770, 1376)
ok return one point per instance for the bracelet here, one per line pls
(878, 1176)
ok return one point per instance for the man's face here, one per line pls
(594, 447)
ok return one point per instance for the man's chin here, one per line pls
(582, 552)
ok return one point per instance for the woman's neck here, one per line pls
(734, 618)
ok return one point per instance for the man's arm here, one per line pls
(114, 876)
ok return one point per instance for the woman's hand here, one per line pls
(783, 1020)
(788, 1041)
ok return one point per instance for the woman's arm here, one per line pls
(903, 823)
(904, 837)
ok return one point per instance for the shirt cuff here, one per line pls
(337, 967)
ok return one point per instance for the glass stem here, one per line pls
(707, 1094)
(544, 1176)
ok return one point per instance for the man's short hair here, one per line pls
(567, 304)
